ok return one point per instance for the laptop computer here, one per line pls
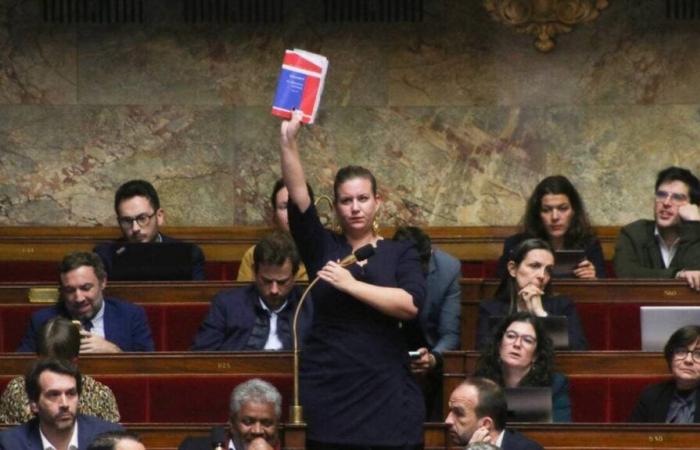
(556, 327)
(529, 404)
(162, 261)
(659, 322)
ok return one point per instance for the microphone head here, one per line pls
(218, 438)
(364, 252)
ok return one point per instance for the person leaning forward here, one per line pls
(258, 316)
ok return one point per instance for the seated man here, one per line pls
(54, 387)
(254, 416)
(478, 413)
(117, 440)
(258, 316)
(676, 400)
(108, 325)
(58, 338)
(668, 246)
(437, 327)
(140, 217)
(278, 201)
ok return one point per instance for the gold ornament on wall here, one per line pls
(544, 19)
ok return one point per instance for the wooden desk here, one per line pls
(229, 243)
(166, 363)
(550, 436)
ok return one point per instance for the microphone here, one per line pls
(218, 439)
(295, 410)
(360, 254)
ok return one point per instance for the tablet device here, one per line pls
(529, 404)
(565, 261)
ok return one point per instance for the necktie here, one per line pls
(87, 324)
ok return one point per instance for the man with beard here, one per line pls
(109, 325)
(53, 388)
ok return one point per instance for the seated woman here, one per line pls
(58, 338)
(526, 287)
(556, 214)
(676, 400)
(521, 355)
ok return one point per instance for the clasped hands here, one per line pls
(530, 300)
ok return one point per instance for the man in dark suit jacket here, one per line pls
(669, 245)
(108, 325)
(256, 407)
(258, 316)
(436, 329)
(53, 388)
(478, 412)
(140, 217)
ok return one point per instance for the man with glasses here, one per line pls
(140, 217)
(108, 325)
(676, 400)
(668, 246)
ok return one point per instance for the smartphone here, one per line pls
(565, 261)
(414, 355)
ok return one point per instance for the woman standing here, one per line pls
(555, 213)
(356, 385)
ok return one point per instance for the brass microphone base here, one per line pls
(296, 414)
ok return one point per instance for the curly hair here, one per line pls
(579, 231)
(489, 364)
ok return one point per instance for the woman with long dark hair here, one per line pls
(521, 354)
(356, 387)
(555, 213)
(526, 287)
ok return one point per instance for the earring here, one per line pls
(375, 226)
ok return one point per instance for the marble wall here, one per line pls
(457, 116)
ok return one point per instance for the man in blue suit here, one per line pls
(478, 413)
(53, 388)
(437, 327)
(109, 325)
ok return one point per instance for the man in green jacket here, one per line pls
(668, 246)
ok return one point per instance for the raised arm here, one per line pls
(292, 170)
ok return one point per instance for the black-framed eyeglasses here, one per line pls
(676, 197)
(682, 353)
(141, 219)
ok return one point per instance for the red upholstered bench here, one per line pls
(606, 399)
(183, 398)
(611, 326)
(14, 320)
(173, 325)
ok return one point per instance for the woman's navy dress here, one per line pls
(356, 385)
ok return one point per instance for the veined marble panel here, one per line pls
(63, 164)
(37, 63)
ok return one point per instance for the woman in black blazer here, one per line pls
(676, 400)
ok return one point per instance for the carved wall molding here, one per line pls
(544, 19)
